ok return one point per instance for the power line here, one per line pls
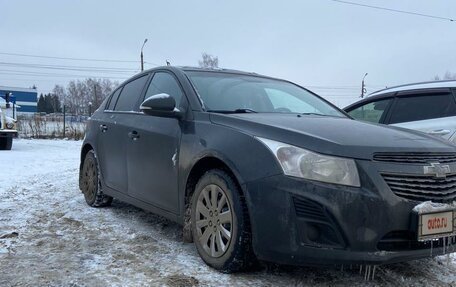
(38, 74)
(76, 59)
(353, 88)
(37, 80)
(70, 68)
(395, 10)
(68, 58)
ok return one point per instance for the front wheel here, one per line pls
(91, 183)
(220, 223)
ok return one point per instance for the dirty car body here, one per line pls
(354, 205)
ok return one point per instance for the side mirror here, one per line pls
(160, 105)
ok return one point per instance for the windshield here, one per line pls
(223, 92)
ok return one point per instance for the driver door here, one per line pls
(153, 156)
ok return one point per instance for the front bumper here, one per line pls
(8, 133)
(296, 221)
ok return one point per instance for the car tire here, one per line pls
(6, 143)
(91, 182)
(215, 248)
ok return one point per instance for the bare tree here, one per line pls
(60, 92)
(208, 61)
(447, 76)
(78, 94)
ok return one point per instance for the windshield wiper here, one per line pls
(314, 114)
(236, 111)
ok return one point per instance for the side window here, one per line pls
(164, 83)
(130, 94)
(417, 108)
(113, 101)
(371, 112)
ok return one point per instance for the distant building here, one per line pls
(26, 99)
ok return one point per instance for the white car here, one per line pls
(7, 127)
(429, 107)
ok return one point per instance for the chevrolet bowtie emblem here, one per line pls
(437, 170)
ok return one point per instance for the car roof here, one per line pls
(219, 70)
(416, 86)
(210, 70)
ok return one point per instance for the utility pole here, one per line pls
(363, 87)
(7, 99)
(95, 94)
(64, 116)
(142, 56)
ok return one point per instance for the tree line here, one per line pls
(49, 103)
(447, 76)
(80, 97)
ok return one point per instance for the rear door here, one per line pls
(113, 136)
(153, 155)
(429, 111)
(107, 147)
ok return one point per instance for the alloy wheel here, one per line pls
(214, 220)
(90, 174)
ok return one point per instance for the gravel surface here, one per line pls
(50, 237)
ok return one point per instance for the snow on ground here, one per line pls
(50, 237)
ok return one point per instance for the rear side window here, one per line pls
(417, 108)
(164, 83)
(371, 112)
(113, 100)
(130, 94)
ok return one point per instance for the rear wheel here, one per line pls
(6, 143)
(91, 184)
(220, 223)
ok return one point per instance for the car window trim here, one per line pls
(152, 74)
(370, 101)
(123, 112)
(417, 93)
(367, 100)
(422, 92)
(453, 91)
(140, 96)
(387, 111)
(391, 106)
(106, 107)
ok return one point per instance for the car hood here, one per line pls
(331, 135)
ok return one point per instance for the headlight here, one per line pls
(302, 163)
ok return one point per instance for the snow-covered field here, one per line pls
(50, 237)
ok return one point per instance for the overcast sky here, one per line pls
(316, 43)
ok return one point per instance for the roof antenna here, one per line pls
(168, 63)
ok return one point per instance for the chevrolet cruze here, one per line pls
(257, 168)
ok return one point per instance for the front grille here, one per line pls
(414, 157)
(422, 188)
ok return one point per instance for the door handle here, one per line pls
(439, 132)
(134, 135)
(103, 128)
